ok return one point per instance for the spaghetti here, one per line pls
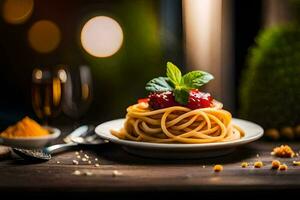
(178, 124)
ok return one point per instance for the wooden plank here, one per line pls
(142, 174)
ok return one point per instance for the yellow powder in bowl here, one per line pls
(25, 128)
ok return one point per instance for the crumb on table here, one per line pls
(284, 151)
(218, 168)
(258, 164)
(275, 164)
(296, 163)
(117, 173)
(244, 164)
(283, 167)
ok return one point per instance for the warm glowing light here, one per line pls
(38, 74)
(44, 36)
(101, 36)
(62, 75)
(85, 91)
(17, 11)
(56, 91)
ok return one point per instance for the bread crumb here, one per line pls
(77, 172)
(90, 162)
(218, 168)
(275, 164)
(244, 164)
(283, 167)
(258, 164)
(78, 157)
(97, 165)
(87, 173)
(283, 151)
(117, 173)
(84, 159)
(86, 156)
(76, 153)
(57, 162)
(75, 162)
(96, 159)
(296, 163)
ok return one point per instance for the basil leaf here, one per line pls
(181, 96)
(195, 79)
(173, 73)
(160, 84)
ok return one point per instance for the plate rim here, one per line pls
(150, 145)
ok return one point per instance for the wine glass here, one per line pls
(77, 91)
(46, 93)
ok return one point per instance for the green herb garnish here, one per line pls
(178, 84)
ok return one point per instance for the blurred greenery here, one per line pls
(121, 79)
(269, 91)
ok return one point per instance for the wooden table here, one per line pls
(120, 172)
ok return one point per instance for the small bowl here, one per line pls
(31, 142)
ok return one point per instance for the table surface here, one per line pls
(143, 174)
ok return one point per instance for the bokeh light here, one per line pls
(44, 36)
(38, 74)
(17, 11)
(62, 74)
(101, 36)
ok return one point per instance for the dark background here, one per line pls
(152, 35)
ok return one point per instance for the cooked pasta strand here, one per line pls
(179, 124)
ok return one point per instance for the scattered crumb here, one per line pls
(57, 162)
(96, 159)
(244, 164)
(86, 156)
(90, 162)
(297, 154)
(117, 173)
(296, 163)
(97, 165)
(88, 173)
(283, 167)
(84, 159)
(75, 162)
(203, 166)
(257, 155)
(218, 168)
(80, 151)
(77, 153)
(78, 157)
(77, 172)
(275, 164)
(284, 151)
(258, 164)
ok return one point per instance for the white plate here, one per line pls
(180, 151)
(32, 142)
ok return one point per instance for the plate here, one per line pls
(180, 151)
(31, 142)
